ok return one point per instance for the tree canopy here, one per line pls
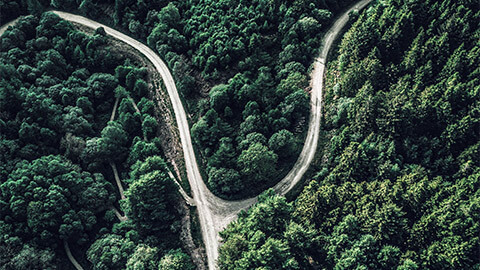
(398, 185)
(60, 154)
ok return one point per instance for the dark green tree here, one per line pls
(151, 201)
(257, 163)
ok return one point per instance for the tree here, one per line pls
(295, 106)
(49, 198)
(284, 144)
(32, 258)
(149, 164)
(149, 127)
(219, 97)
(170, 15)
(294, 82)
(251, 108)
(34, 7)
(175, 259)
(257, 163)
(252, 123)
(255, 240)
(87, 7)
(74, 122)
(225, 154)
(225, 181)
(303, 241)
(141, 150)
(273, 254)
(91, 154)
(140, 88)
(143, 258)
(252, 138)
(388, 225)
(361, 255)
(110, 252)
(151, 205)
(113, 142)
(389, 257)
(101, 84)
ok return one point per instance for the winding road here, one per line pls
(215, 213)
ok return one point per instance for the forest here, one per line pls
(395, 185)
(399, 182)
(77, 125)
(242, 72)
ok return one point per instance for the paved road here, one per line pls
(215, 213)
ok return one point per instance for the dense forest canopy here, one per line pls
(265, 49)
(60, 145)
(242, 69)
(400, 185)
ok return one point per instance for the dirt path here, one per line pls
(114, 111)
(135, 106)
(117, 180)
(118, 214)
(70, 256)
(316, 100)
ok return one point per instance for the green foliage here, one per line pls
(166, 35)
(250, 244)
(110, 252)
(151, 200)
(37, 198)
(284, 144)
(175, 259)
(225, 180)
(56, 96)
(149, 127)
(140, 150)
(398, 187)
(113, 142)
(34, 7)
(30, 258)
(257, 163)
(143, 258)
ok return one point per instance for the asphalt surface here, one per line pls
(215, 213)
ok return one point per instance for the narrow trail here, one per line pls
(189, 200)
(117, 180)
(135, 105)
(120, 217)
(215, 213)
(69, 252)
(118, 214)
(112, 116)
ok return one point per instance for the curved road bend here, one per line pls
(215, 213)
(225, 212)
